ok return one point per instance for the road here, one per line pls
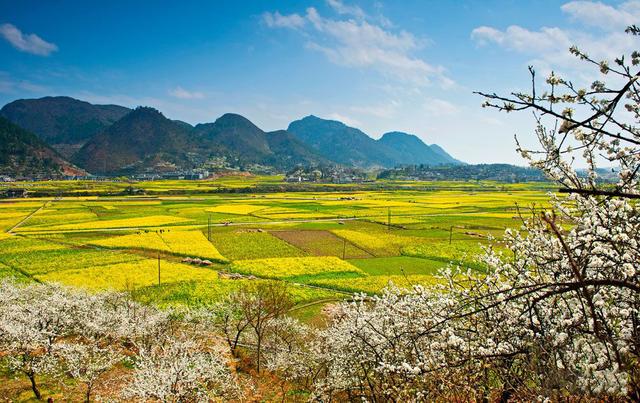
(232, 224)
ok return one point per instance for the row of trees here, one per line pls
(118, 349)
(65, 334)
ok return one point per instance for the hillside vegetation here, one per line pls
(23, 154)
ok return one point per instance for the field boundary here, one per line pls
(10, 230)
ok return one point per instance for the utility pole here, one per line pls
(158, 268)
(344, 248)
(450, 234)
(389, 218)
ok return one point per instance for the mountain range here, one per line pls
(112, 139)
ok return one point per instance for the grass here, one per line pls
(459, 252)
(198, 293)
(372, 284)
(8, 272)
(398, 265)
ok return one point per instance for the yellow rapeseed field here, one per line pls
(380, 244)
(130, 275)
(137, 222)
(142, 240)
(191, 243)
(184, 243)
(287, 267)
(236, 208)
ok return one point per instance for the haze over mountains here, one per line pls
(111, 139)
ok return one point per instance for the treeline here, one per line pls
(490, 172)
(259, 189)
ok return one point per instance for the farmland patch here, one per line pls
(251, 243)
(321, 243)
(292, 267)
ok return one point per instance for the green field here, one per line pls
(326, 241)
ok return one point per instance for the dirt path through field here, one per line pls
(10, 230)
(194, 226)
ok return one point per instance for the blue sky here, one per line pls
(380, 66)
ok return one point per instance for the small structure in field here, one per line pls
(14, 193)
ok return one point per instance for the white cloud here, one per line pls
(181, 93)
(344, 119)
(550, 45)
(10, 85)
(603, 16)
(385, 111)
(363, 44)
(491, 121)
(341, 8)
(440, 107)
(522, 39)
(277, 20)
(30, 43)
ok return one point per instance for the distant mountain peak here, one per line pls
(400, 136)
(62, 120)
(141, 140)
(234, 119)
(341, 143)
(148, 109)
(318, 120)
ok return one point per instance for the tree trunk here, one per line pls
(259, 349)
(506, 395)
(34, 386)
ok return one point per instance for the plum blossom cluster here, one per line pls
(90, 339)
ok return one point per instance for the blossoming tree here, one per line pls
(555, 315)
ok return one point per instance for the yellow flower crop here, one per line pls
(142, 240)
(287, 267)
(184, 243)
(241, 244)
(128, 276)
(379, 244)
(137, 222)
(191, 243)
(236, 208)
